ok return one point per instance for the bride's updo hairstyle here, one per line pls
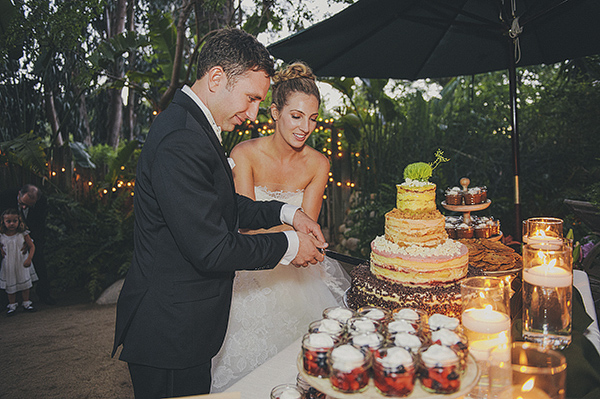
(296, 77)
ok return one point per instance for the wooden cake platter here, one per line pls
(468, 381)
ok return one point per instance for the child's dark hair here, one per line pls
(21, 227)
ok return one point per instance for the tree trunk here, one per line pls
(130, 116)
(52, 115)
(115, 108)
(174, 84)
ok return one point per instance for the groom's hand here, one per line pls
(304, 224)
(310, 250)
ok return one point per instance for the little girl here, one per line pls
(17, 272)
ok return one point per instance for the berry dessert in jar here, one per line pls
(286, 391)
(339, 313)
(437, 321)
(374, 313)
(361, 325)
(349, 368)
(308, 391)
(439, 369)
(398, 326)
(417, 317)
(333, 328)
(315, 348)
(370, 341)
(394, 371)
(410, 342)
(455, 340)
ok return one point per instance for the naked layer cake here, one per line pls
(415, 264)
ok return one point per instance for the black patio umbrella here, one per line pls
(413, 39)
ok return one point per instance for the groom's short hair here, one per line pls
(236, 52)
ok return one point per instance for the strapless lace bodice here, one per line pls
(262, 193)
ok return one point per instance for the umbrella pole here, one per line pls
(512, 76)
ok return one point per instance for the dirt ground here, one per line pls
(61, 351)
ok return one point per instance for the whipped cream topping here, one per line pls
(340, 314)
(406, 340)
(416, 183)
(372, 340)
(329, 326)
(363, 325)
(447, 248)
(396, 357)
(445, 336)
(398, 326)
(406, 314)
(438, 321)
(438, 355)
(346, 358)
(463, 226)
(319, 340)
(474, 190)
(453, 191)
(374, 314)
(290, 394)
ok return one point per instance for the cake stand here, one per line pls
(468, 381)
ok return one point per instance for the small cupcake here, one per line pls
(454, 196)
(451, 230)
(483, 190)
(495, 227)
(463, 230)
(473, 196)
(482, 230)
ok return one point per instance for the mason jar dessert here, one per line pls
(394, 371)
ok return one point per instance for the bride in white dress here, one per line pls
(272, 308)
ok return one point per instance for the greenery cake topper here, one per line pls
(422, 171)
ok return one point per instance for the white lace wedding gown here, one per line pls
(272, 308)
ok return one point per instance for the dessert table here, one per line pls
(282, 369)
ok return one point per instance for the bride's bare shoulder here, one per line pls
(247, 149)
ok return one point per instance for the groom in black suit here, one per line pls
(173, 309)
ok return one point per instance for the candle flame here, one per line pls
(528, 386)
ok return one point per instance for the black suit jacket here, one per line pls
(174, 306)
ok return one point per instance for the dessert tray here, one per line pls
(467, 208)
(468, 380)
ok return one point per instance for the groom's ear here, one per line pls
(216, 78)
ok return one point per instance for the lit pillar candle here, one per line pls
(486, 329)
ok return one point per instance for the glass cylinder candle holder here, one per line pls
(315, 348)
(486, 322)
(547, 294)
(543, 230)
(529, 371)
(286, 391)
(349, 368)
(394, 371)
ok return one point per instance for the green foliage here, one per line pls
(89, 245)
(26, 150)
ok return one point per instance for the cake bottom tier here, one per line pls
(368, 290)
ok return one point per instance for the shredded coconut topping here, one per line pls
(416, 183)
(447, 248)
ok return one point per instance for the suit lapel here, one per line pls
(185, 101)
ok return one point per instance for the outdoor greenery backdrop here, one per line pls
(86, 78)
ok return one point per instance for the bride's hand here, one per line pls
(310, 250)
(304, 224)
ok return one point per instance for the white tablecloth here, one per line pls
(582, 283)
(281, 369)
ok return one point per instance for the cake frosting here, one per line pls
(414, 264)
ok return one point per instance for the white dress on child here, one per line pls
(270, 309)
(15, 277)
